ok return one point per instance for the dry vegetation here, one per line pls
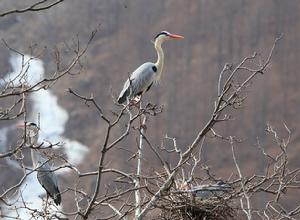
(158, 176)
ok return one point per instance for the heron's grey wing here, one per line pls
(49, 182)
(138, 82)
(206, 191)
(142, 78)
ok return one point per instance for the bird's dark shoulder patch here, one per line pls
(149, 87)
(154, 68)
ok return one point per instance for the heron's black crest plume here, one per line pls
(162, 33)
(32, 124)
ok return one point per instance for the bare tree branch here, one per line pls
(38, 6)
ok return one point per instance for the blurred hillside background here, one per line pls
(216, 32)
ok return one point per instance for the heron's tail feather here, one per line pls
(57, 198)
(123, 96)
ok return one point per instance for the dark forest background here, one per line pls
(216, 32)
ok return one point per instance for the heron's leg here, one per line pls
(138, 99)
(131, 103)
(140, 108)
(135, 101)
(46, 203)
(142, 125)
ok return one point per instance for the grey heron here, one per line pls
(45, 176)
(148, 73)
(205, 191)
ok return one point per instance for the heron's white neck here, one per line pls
(34, 159)
(32, 137)
(32, 140)
(160, 59)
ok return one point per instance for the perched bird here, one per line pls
(205, 191)
(45, 176)
(148, 73)
(211, 190)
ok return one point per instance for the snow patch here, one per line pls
(53, 119)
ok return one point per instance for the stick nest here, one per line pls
(187, 206)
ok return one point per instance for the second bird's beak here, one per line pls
(175, 36)
(20, 125)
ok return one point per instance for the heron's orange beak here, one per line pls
(175, 36)
(20, 125)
